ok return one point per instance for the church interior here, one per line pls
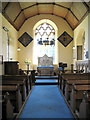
(44, 59)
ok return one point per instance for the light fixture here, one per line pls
(73, 47)
(46, 41)
(7, 42)
(5, 29)
(18, 49)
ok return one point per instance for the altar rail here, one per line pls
(82, 66)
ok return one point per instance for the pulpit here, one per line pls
(11, 67)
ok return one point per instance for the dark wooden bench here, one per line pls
(68, 86)
(21, 84)
(20, 77)
(77, 95)
(15, 95)
(32, 74)
(7, 108)
(71, 76)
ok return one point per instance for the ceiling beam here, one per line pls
(29, 6)
(44, 4)
(73, 14)
(19, 13)
(54, 15)
(61, 6)
(17, 16)
(6, 6)
(85, 4)
(36, 4)
(84, 16)
(23, 10)
(53, 9)
(32, 16)
(21, 24)
(68, 23)
(9, 20)
(67, 9)
(37, 8)
(58, 16)
(65, 20)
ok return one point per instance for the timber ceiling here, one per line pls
(72, 12)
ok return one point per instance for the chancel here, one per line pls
(45, 59)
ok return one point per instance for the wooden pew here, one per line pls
(68, 86)
(59, 80)
(20, 77)
(72, 76)
(7, 108)
(84, 108)
(21, 84)
(77, 95)
(15, 95)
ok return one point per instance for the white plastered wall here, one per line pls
(65, 54)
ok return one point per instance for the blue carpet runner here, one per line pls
(46, 101)
(46, 77)
(45, 81)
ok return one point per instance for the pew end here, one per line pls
(7, 108)
(85, 106)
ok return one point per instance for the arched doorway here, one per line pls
(45, 29)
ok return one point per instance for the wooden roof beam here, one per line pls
(19, 13)
(84, 16)
(61, 6)
(74, 15)
(6, 6)
(68, 23)
(29, 6)
(85, 4)
(48, 14)
(9, 20)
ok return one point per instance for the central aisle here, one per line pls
(46, 101)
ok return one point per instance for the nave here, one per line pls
(44, 59)
(64, 96)
(45, 101)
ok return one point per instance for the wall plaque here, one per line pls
(25, 39)
(65, 38)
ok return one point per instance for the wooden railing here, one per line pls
(82, 66)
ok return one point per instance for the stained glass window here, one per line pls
(43, 32)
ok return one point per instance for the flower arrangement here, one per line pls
(27, 61)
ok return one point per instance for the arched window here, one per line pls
(43, 32)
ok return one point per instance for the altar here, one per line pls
(45, 65)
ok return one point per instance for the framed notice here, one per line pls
(1, 59)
